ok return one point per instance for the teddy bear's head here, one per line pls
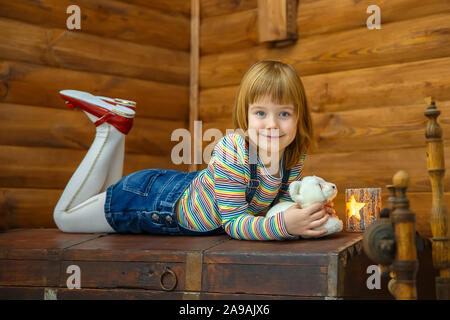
(310, 190)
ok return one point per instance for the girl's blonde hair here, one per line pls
(279, 81)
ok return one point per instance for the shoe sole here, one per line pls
(80, 96)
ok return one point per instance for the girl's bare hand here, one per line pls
(301, 222)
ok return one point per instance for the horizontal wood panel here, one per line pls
(33, 126)
(33, 208)
(126, 247)
(231, 27)
(78, 51)
(397, 42)
(379, 129)
(374, 168)
(20, 244)
(31, 273)
(211, 8)
(392, 85)
(348, 14)
(28, 208)
(309, 253)
(24, 83)
(51, 168)
(228, 33)
(126, 274)
(247, 278)
(397, 84)
(182, 7)
(106, 18)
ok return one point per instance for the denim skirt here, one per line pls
(144, 202)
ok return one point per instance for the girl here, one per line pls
(227, 196)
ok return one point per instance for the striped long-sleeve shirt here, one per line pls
(216, 197)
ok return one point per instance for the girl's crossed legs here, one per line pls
(81, 206)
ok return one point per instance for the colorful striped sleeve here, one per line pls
(230, 182)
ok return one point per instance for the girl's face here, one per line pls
(272, 126)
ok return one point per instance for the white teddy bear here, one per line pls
(306, 192)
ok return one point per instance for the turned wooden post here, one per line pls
(405, 265)
(439, 211)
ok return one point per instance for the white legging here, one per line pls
(81, 206)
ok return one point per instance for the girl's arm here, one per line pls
(230, 183)
(239, 224)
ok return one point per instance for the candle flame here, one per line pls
(353, 207)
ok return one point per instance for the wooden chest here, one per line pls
(45, 264)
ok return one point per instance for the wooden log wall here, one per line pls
(135, 49)
(366, 87)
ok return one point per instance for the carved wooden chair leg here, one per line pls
(439, 212)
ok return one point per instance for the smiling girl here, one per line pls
(249, 170)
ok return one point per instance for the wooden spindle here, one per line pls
(439, 211)
(406, 265)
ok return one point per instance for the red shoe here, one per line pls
(119, 116)
(116, 101)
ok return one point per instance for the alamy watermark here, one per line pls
(268, 142)
(374, 281)
(374, 20)
(74, 280)
(74, 20)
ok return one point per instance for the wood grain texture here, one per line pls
(305, 261)
(383, 128)
(211, 8)
(38, 167)
(34, 126)
(239, 19)
(120, 266)
(181, 7)
(349, 14)
(21, 243)
(254, 279)
(79, 51)
(30, 84)
(396, 42)
(277, 20)
(373, 168)
(31, 273)
(397, 84)
(27, 207)
(108, 19)
(136, 247)
(138, 275)
(234, 32)
(372, 87)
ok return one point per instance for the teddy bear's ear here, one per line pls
(294, 188)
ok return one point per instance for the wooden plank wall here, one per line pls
(137, 50)
(366, 87)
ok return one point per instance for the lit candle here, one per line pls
(362, 207)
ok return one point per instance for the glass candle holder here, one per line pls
(362, 207)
